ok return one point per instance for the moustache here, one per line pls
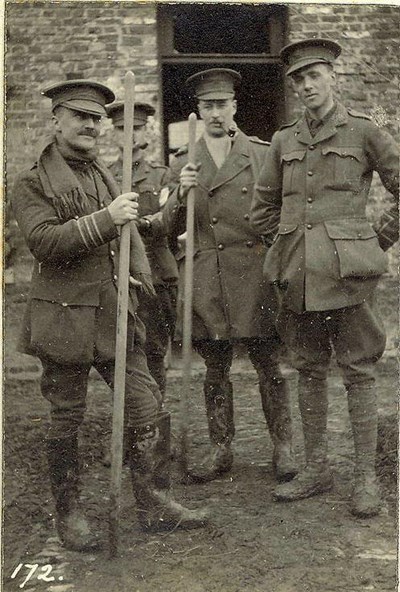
(88, 132)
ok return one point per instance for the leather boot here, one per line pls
(276, 406)
(316, 477)
(72, 526)
(366, 500)
(221, 427)
(156, 510)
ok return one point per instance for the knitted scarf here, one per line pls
(62, 187)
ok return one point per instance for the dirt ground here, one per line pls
(252, 544)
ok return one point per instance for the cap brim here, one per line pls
(85, 106)
(217, 95)
(305, 62)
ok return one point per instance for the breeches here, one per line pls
(218, 356)
(356, 334)
(65, 387)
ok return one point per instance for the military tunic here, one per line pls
(325, 257)
(70, 321)
(231, 299)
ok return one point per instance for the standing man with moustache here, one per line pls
(70, 212)
(325, 259)
(231, 302)
(150, 182)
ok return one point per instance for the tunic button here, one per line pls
(359, 235)
(210, 193)
(312, 147)
(115, 277)
(244, 190)
(64, 304)
(112, 253)
(309, 226)
(246, 217)
(310, 173)
(102, 204)
(309, 199)
(221, 247)
(76, 217)
(249, 244)
(214, 220)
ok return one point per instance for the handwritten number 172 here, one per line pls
(32, 567)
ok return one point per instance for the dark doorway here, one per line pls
(245, 38)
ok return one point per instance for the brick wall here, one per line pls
(47, 42)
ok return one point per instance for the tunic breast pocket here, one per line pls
(291, 171)
(344, 166)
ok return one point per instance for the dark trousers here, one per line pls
(218, 356)
(65, 387)
(356, 334)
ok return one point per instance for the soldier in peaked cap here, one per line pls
(150, 182)
(231, 301)
(70, 212)
(325, 259)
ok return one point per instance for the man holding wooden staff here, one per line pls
(231, 301)
(70, 212)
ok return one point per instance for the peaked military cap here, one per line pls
(140, 114)
(87, 96)
(310, 51)
(216, 83)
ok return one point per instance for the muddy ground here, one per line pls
(252, 544)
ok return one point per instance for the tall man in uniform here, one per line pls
(70, 212)
(150, 182)
(325, 260)
(231, 301)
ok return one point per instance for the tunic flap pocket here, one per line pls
(357, 249)
(344, 151)
(286, 228)
(350, 230)
(290, 157)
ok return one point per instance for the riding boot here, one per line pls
(156, 510)
(276, 406)
(363, 412)
(219, 410)
(316, 477)
(72, 526)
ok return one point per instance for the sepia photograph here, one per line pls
(200, 296)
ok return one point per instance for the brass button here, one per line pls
(309, 199)
(359, 235)
(310, 173)
(246, 217)
(312, 147)
(112, 253)
(210, 193)
(76, 217)
(214, 220)
(244, 190)
(221, 247)
(64, 304)
(115, 277)
(309, 226)
(249, 244)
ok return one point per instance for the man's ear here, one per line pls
(56, 123)
(234, 104)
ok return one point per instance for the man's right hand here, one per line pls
(188, 179)
(124, 208)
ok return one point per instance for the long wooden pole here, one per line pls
(122, 322)
(187, 310)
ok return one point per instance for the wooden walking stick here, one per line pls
(122, 322)
(187, 309)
